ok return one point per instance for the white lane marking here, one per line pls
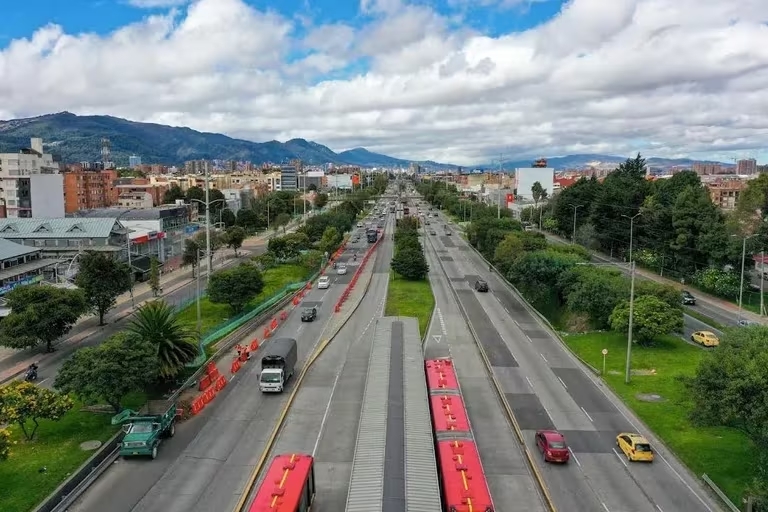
(573, 455)
(544, 358)
(528, 338)
(41, 382)
(684, 482)
(338, 376)
(621, 459)
(658, 507)
(441, 320)
(588, 416)
(605, 507)
(529, 381)
(563, 383)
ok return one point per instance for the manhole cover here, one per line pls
(89, 446)
(650, 397)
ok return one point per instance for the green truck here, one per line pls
(145, 429)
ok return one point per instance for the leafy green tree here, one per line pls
(234, 238)
(537, 273)
(281, 221)
(621, 194)
(722, 283)
(173, 194)
(651, 318)
(228, 218)
(728, 389)
(330, 240)
(103, 279)
(581, 194)
(236, 286)
(122, 364)
(191, 255)
(248, 219)
(539, 193)
(40, 315)
(699, 227)
(24, 402)
(196, 195)
(594, 291)
(158, 324)
(154, 276)
(410, 263)
(279, 247)
(321, 200)
(514, 245)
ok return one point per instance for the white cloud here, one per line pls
(686, 75)
(157, 4)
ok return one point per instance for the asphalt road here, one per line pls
(547, 388)
(205, 466)
(325, 416)
(512, 486)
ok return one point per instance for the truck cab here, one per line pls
(145, 429)
(277, 365)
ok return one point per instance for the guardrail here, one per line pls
(74, 486)
(356, 275)
(720, 494)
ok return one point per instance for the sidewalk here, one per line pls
(706, 298)
(16, 361)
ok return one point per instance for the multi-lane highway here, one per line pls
(324, 418)
(547, 388)
(205, 466)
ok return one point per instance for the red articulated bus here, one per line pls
(462, 480)
(289, 485)
(465, 488)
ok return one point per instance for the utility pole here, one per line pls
(762, 280)
(575, 209)
(627, 370)
(208, 228)
(631, 230)
(498, 198)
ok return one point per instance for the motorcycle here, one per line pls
(31, 375)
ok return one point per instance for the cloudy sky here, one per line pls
(458, 81)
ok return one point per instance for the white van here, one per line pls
(323, 283)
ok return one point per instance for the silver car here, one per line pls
(341, 270)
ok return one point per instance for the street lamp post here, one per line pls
(199, 314)
(128, 251)
(627, 369)
(741, 286)
(207, 205)
(575, 209)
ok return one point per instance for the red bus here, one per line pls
(465, 488)
(441, 376)
(288, 486)
(449, 415)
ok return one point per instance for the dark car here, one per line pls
(688, 299)
(308, 314)
(551, 444)
(481, 285)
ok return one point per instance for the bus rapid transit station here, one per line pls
(415, 450)
(394, 468)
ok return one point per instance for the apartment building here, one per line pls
(84, 189)
(725, 192)
(140, 193)
(22, 266)
(30, 183)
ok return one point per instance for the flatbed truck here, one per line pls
(145, 429)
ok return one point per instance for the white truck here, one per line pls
(277, 365)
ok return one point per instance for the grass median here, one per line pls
(724, 454)
(410, 298)
(213, 315)
(56, 448)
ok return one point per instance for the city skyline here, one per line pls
(444, 81)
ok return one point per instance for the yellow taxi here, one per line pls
(705, 338)
(635, 447)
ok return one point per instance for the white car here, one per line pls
(341, 270)
(323, 283)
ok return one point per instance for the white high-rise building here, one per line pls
(30, 184)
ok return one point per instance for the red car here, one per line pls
(552, 445)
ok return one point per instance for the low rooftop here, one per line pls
(101, 227)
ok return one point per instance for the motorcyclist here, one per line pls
(32, 371)
(334, 264)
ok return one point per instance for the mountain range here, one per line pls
(73, 138)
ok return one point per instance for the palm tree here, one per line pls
(157, 323)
